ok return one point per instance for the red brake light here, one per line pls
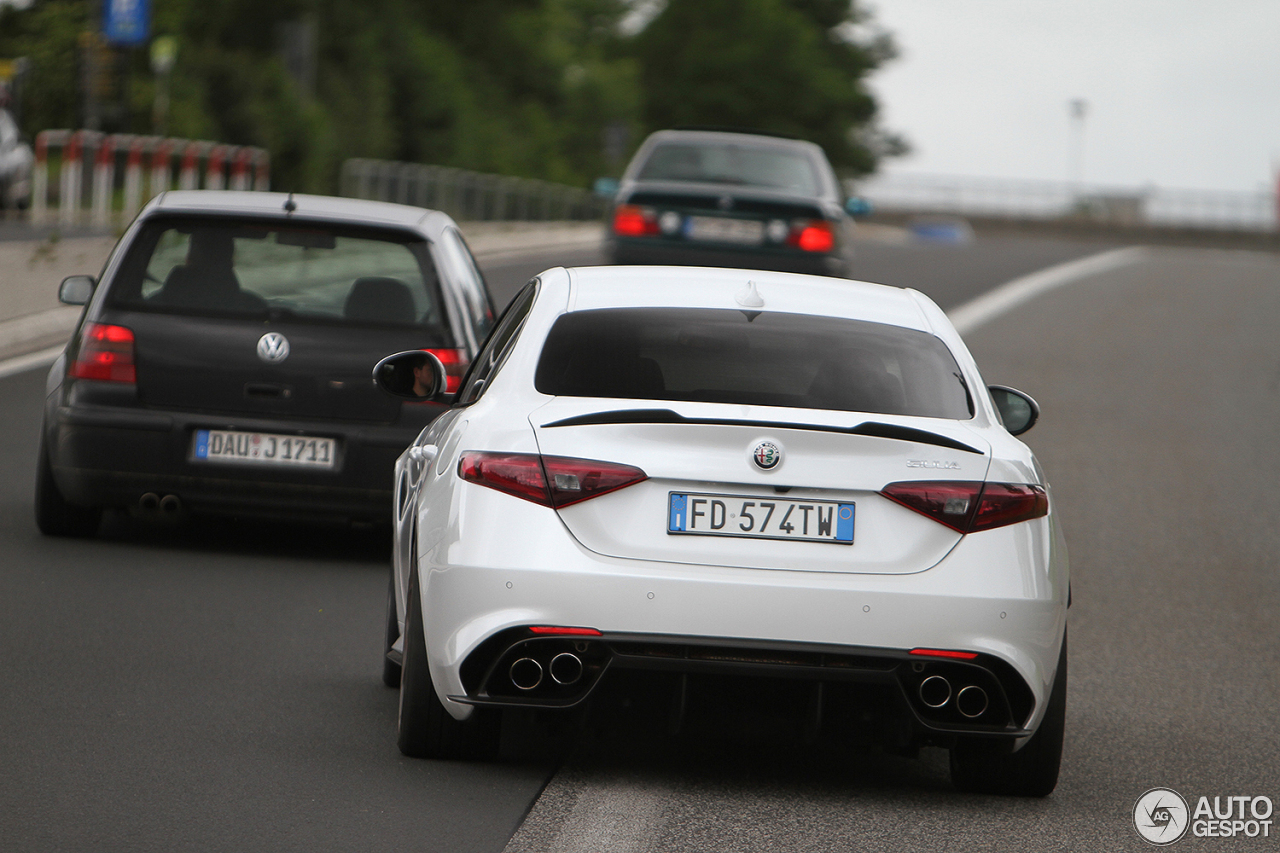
(554, 481)
(518, 474)
(971, 507)
(1007, 503)
(106, 353)
(455, 363)
(815, 236)
(632, 221)
(575, 632)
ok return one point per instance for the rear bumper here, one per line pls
(112, 456)
(657, 250)
(821, 626)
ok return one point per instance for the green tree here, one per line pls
(784, 66)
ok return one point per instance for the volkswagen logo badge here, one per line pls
(273, 347)
(725, 202)
(766, 455)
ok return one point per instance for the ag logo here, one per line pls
(766, 455)
(1161, 816)
(273, 347)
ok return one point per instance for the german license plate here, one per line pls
(263, 448)
(760, 518)
(721, 229)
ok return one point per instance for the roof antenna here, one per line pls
(290, 205)
(749, 297)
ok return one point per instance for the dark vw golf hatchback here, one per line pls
(224, 359)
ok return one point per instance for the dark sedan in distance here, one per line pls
(223, 362)
(730, 199)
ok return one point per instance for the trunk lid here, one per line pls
(707, 449)
(200, 363)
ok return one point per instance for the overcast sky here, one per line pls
(1180, 93)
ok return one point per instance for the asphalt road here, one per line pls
(215, 686)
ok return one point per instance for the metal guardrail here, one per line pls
(1151, 207)
(465, 195)
(111, 176)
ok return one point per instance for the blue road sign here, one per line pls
(126, 22)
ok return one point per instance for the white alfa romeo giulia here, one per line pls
(705, 475)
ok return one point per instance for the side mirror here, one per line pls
(1018, 411)
(76, 289)
(858, 207)
(605, 187)
(414, 375)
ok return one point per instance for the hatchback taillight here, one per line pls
(106, 353)
(555, 481)
(971, 507)
(455, 363)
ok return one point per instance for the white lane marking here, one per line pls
(1006, 297)
(29, 361)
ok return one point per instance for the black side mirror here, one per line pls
(1018, 411)
(76, 289)
(414, 375)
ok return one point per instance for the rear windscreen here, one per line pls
(752, 358)
(305, 272)
(727, 163)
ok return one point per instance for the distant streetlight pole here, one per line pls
(1077, 108)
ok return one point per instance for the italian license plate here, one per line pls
(760, 518)
(721, 229)
(263, 448)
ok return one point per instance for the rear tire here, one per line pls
(978, 766)
(391, 669)
(54, 516)
(426, 729)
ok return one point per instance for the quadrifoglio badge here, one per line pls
(1162, 816)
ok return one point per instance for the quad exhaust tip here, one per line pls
(149, 502)
(972, 701)
(526, 673)
(935, 691)
(566, 668)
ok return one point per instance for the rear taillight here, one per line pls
(632, 221)
(455, 363)
(813, 236)
(554, 481)
(971, 507)
(106, 353)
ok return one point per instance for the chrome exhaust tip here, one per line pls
(972, 701)
(566, 668)
(149, 502)
(170, 504)
(526, 673)
(935, 691)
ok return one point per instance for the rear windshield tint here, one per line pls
(726, 163)
(305, 272)
(752, 358)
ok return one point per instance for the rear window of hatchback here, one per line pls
(306, 272)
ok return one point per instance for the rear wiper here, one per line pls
(666, 416)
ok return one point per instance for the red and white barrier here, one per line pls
(214, 165)
(104, 168)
